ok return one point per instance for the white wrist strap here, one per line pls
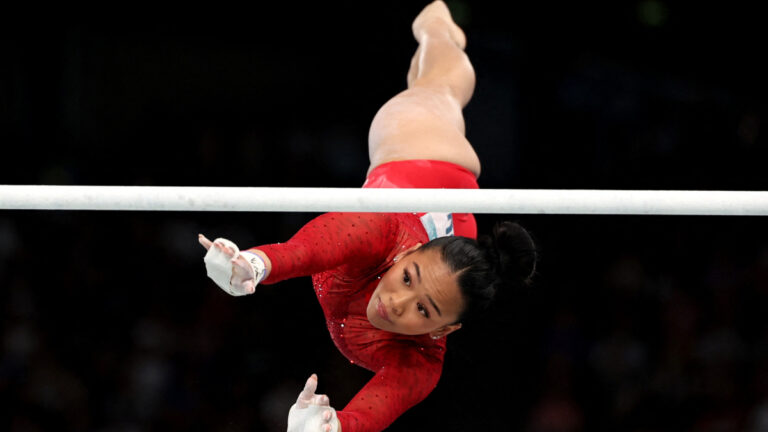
(257, 264)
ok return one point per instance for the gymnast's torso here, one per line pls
(346, 253)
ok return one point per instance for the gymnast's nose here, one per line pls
(400, 302)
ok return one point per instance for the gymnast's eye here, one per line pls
(423, 310)
(406, 278)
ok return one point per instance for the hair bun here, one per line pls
(512, 251)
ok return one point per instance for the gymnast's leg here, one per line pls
(425, 121)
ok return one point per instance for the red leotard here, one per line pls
(432, 174)
(346, 253)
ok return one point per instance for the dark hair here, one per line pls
(504, 260)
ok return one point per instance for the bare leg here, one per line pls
(425, 121)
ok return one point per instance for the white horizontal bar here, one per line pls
(508, 201)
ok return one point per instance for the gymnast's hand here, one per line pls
(311, 412)
(236, 273)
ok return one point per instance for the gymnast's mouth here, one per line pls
(382, 310)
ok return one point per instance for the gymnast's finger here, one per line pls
(310, 386)
(227, 251)
(321, 400)
(204, 241)
(309, 389)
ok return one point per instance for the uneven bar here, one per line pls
(500, 201)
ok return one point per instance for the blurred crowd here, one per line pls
(633, 324)
(638, 324)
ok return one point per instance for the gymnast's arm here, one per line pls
(331, 240)
(326, 242)
(406, 379)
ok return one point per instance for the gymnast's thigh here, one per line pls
(420, 123)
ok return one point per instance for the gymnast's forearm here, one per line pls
(391, 392)
(325, 243)
(329, 241)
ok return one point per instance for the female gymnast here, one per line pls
(393, 286)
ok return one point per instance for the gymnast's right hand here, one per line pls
(235, 272)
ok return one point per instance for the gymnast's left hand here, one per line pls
(312, 412)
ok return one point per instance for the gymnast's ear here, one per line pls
(444, 330)
(407, 251)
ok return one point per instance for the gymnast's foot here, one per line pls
(437, 18)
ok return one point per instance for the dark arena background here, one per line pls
(635, 323)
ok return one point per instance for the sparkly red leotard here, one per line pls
(346, 253)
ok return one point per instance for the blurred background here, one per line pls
(109, 323)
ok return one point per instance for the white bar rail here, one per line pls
(504, 201)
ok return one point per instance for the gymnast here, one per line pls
(393, 286)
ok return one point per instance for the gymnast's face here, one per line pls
(417, 295)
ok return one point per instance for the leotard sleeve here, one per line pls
(362, 240)
(405, 380)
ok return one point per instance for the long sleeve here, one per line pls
(405, 380)
(360, 239)
(345, 252)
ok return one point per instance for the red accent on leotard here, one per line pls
(346, 253)
(428, 174)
